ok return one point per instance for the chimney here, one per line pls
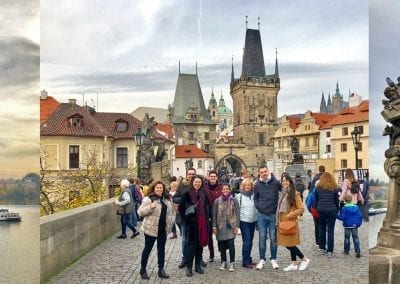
(72, 101)
(43, 94)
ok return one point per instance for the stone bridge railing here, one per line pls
(66, 236)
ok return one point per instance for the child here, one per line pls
(172, 190)
(225, 225)
(352, 219)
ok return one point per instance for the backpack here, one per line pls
(310, 199)
(299, 184)
(355, 187)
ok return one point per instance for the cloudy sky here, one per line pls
(384, 62)
(128, 51)
(19, 86)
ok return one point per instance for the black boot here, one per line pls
(198, 269)
(189, 272)
(162, 274)
(143, 274)
(182, 264)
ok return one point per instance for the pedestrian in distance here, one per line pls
(248, 220)
(351, 186)
(173, 186)
(352, 220)
(126, 204)
(158, 218)
(326, 201)
(225, 225)
(290, 206)
(195, 212)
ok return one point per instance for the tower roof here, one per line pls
(212, 101)
(322, 106)
(187, 96)
(337, 93)
(253, 58)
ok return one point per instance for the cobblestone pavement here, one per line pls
(118, 261)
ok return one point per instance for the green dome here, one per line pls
(223, 110)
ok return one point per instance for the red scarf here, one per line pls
(199, 197)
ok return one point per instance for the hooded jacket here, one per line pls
(350, 215)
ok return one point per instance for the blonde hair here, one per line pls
(174, 185)
(247, 181)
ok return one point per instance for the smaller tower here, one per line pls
(322, 106)
(212, 106)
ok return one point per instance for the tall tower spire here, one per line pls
(246, 22)
(232, 73)
(258, 23)
(276, 64)
(253, 58)
(322, 106)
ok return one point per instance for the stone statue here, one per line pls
(294, 145)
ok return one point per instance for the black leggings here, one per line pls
(294, 251)
(223, 246)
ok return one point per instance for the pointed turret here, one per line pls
(253, 58)
(322, 106)
(232, 73)
(337, 93)
(276, 64)
(212, 101)
(329, 107)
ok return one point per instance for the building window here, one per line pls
(261, 139)
(283, 130)
(287, 143)
(345, 131)
(328, 134)
(328, 148)
(121, 126)
(307, 141)
(360, 129)
(206, 135)
(122, 157)
(75, 121)
(343, 164)
(343, 147)
(207, 147)
(315, 141)
(191, 135)
(213, 113)
(279, 144)
(74, 157)
(200, 164)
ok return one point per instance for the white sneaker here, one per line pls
(291, 267)
(304, 264)
(274, 264)
(223, 266)
(231, 266)
(260, 265)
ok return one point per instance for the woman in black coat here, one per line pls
(194, 209)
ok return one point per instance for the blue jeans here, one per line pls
(148, 245)
(327, 221)
(356, 240)
(247, 230)
(267, 224)
(184, 244)
(129, 220)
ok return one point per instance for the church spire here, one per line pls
(232, 73)
(337, 93)
(253, 58)
(322, 106)
(276, 64)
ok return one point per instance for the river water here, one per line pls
(19, 246)
(375, 224)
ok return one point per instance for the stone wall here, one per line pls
(66, 236)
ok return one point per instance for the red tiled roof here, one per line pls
(322, 118)
(108, 120)
(166, 128)
(190, 151)
(47, 107)
(294, 121)
(353, 114)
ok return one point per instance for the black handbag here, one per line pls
(120, 210)
(191, 210)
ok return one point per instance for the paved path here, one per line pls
(118, 261)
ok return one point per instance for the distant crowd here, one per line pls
(197, 208)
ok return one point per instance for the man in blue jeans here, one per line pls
(266, 193)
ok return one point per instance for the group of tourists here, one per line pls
(201, 208)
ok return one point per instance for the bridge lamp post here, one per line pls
(139, 136)
(356, 136)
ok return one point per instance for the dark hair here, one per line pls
(152, 189)
(197, 176)
(348, 173)
(321, 169)
(213, 172)
(291, 197)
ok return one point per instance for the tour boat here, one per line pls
(6, 215)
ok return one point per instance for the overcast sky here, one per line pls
(384, 62)
(19, 85)
(128, 51)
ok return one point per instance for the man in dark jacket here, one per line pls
(183, 187)
(321, 170)
(266, 193)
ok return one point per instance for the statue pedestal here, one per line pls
(384, 265)
(389, 235)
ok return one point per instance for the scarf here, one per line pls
(226, 212)
(199, 197)
(226, 197)
(247, 193)
(283, 204)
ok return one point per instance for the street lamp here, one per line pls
(139, 135)
(355, 136)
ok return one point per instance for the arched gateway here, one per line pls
(230, 164)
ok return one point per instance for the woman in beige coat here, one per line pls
(156, 208)
(290, 206)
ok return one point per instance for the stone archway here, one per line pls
(230, 164)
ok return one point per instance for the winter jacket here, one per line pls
(248, 211)
(326, 201)
(356, 197)
(266, 195)
(125, 200)
(223, 226)
(152, 216)
(350, 215)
